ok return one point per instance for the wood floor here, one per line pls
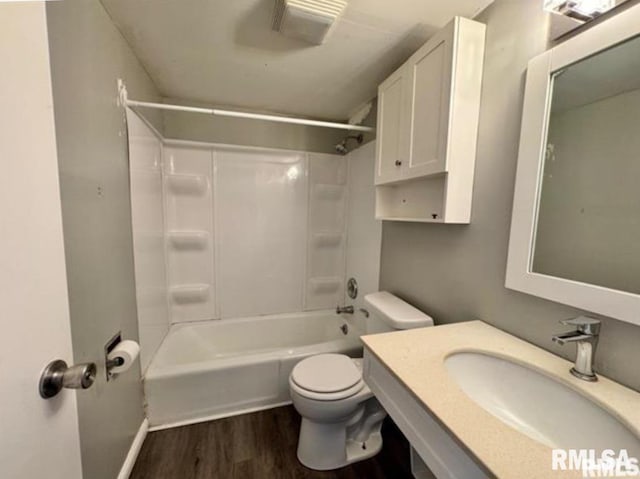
(256, 446)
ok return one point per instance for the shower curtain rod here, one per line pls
(124, 100)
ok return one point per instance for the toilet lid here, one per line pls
(326, 373)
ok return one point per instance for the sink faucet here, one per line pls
(344, 310)
(586, 338)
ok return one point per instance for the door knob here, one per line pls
(398, 163)
(58, 375)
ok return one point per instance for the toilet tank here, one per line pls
(389, 313)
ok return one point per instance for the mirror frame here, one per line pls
(617, 304)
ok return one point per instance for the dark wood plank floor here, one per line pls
(256, 446)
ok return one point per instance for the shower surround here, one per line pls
(224, 235)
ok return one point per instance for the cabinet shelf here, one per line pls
(408, 219)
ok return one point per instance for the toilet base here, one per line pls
(358, 451)
(324, 447)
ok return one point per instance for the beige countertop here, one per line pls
(416, 357)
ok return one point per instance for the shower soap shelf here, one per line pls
(327, 239)
(190, 293)
(188, 240)
(325, 285)
(181, 184)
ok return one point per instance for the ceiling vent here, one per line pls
(308, 20)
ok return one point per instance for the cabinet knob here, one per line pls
(398, 163)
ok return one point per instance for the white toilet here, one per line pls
(341, 419)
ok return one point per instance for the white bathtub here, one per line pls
(210, 369)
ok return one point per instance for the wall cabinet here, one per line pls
(427, 126)
(391, 144)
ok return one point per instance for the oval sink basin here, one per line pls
(540, 407)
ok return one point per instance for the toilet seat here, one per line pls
(327, 377)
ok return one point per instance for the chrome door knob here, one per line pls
(58, 375)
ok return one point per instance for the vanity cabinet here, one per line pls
(432, 446)
(427, 127)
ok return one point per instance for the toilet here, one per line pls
(341, 418)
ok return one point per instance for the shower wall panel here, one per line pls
(326, 236)
(189, 233)
(147, 218)
(261, 216)
(247, 231)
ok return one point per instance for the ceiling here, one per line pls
(224, 53)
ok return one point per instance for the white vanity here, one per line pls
(476, 402)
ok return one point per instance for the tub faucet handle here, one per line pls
(344, 309)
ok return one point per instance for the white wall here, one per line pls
(364, 232)
(38, 438)
(147, 217)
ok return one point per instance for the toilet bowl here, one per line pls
(341, 419)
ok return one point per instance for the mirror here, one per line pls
(575, 228)
(588, 224)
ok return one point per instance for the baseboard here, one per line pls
(213, 417)
(134, 450)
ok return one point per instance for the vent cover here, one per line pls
(308, 20)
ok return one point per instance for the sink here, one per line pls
(539, 406)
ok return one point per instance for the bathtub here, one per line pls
(210, 369)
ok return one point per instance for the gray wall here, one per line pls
(238, 131)
(456, 273)
(87, 55)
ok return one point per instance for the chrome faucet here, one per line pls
(344, 310)
(586, 338)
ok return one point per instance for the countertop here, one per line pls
(416, 357)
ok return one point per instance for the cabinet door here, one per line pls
(393, 138)
(429, 93)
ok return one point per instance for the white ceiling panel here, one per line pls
(225, 53)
